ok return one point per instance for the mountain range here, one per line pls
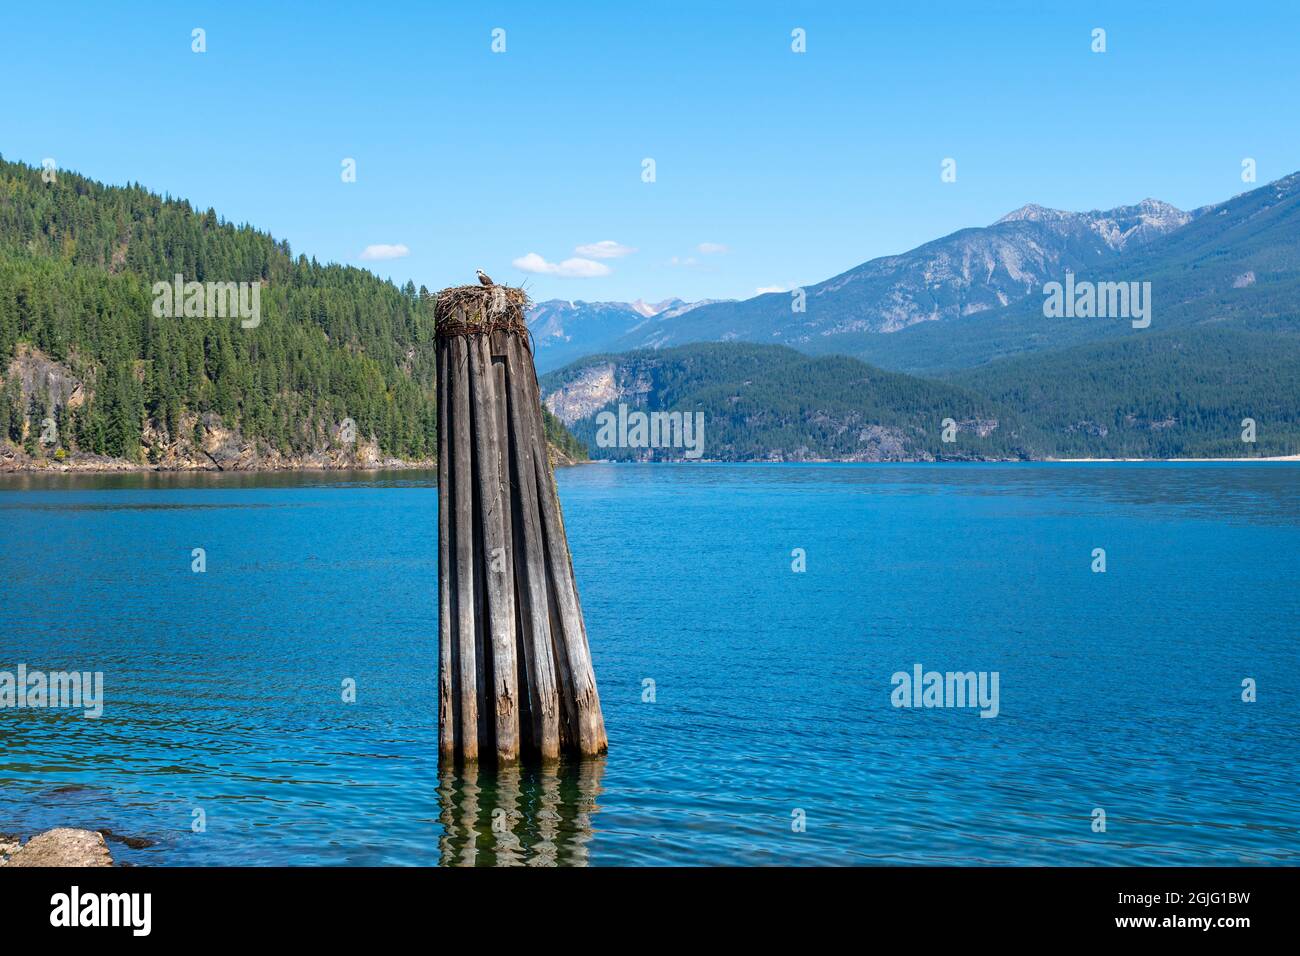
(564, 330)
(971, 272)
(967, 312)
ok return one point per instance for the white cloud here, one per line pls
(605, 249)
(679, 261)
(711, 248)
(568, 269)
(764, 289)
(385, 251)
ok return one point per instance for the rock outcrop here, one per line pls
(62, 846)
(44, 382)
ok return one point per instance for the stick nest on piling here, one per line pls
(478, 309)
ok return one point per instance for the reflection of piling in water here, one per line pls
(507, 817)
(518, 815)
(586, 786)
(515, 674)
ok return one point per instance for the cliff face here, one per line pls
(559, 458)
(38, 379)
(590, 391)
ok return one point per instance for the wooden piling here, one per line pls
(515, 671)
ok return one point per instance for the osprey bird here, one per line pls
(483, 277)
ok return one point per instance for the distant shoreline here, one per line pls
(931, 461)
(122, 468)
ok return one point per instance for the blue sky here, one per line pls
(773, 168)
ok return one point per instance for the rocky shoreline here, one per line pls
(15, 460)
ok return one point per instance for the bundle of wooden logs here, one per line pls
(514, 669)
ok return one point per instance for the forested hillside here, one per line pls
(769, 402)
(1180, 394)
(77, 264)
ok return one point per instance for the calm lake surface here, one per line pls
(772, 689)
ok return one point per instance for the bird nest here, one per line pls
(478, 309)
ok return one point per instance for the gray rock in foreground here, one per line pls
(63, 846)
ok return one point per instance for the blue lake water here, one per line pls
(772, 689)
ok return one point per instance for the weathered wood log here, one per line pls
(500, 620)
(447, 686)
(526, 730)
(459, 498)
(515, 671)
(569, 631)
(534, 605)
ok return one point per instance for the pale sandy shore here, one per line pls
(1257, 458)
